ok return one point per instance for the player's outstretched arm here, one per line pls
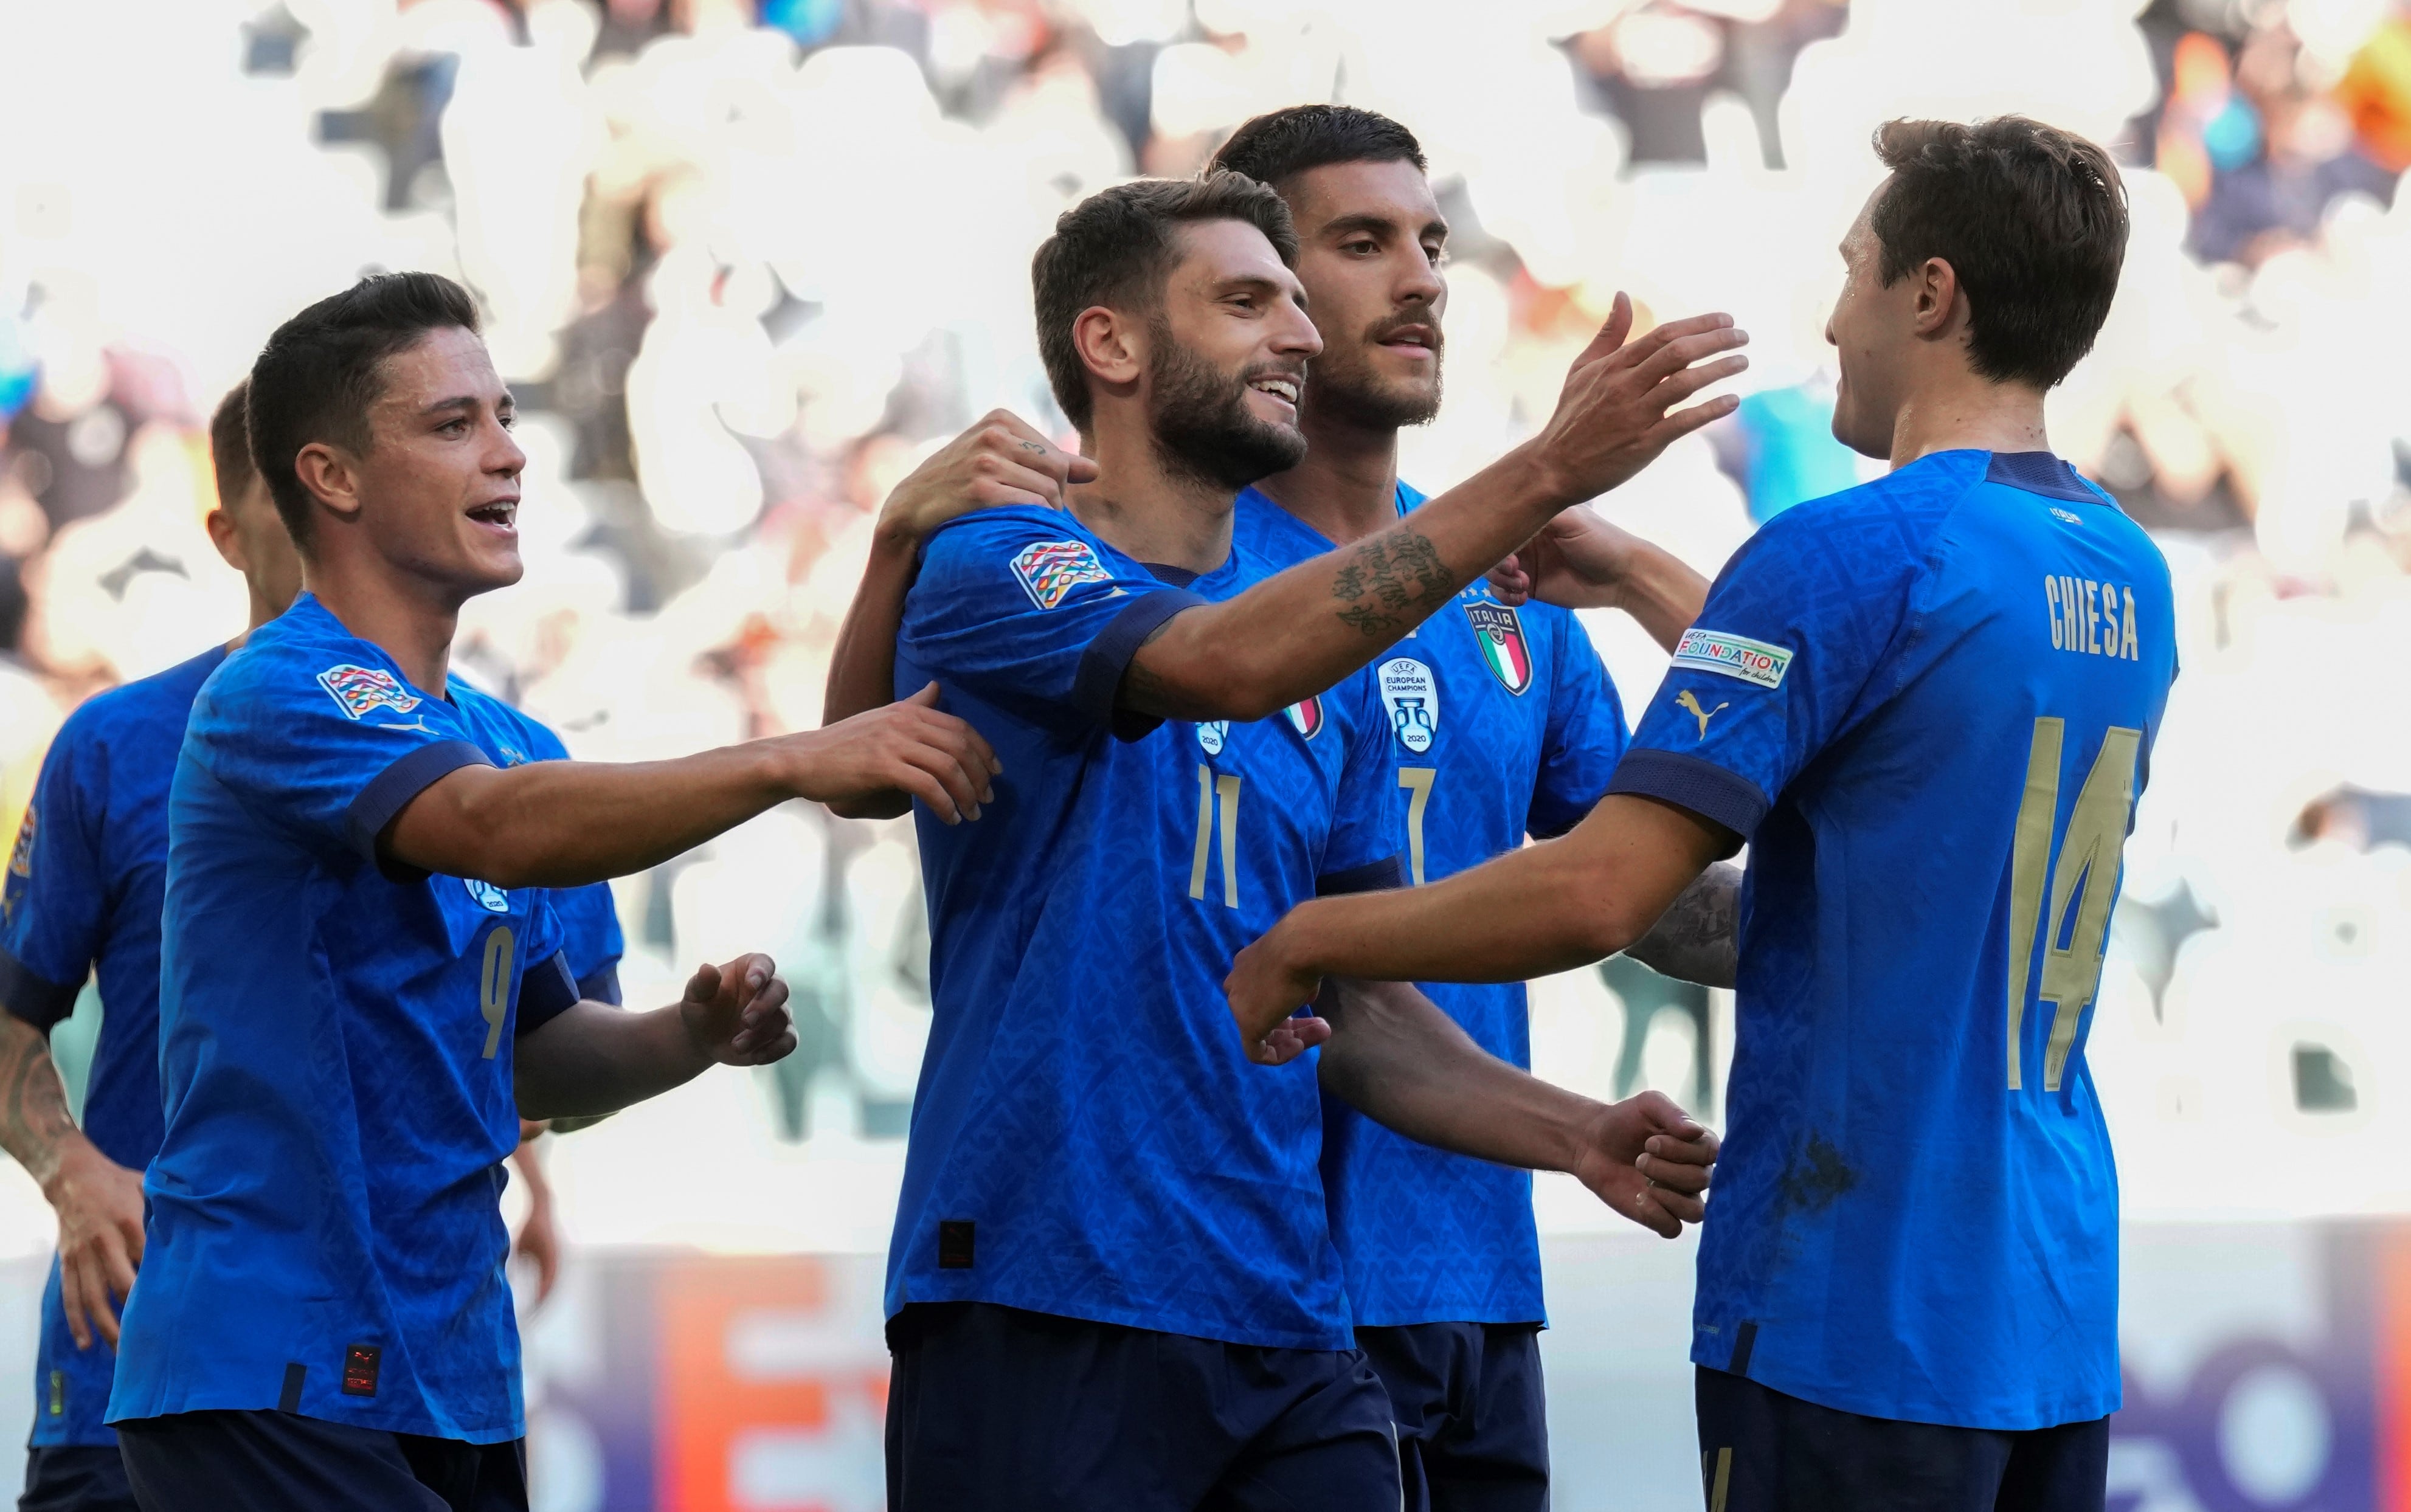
(1001, 461)
(1581, 561)
(98, 1201)
(1547, 908)
(1297, 633)
(595, 1058)
(1403, 1062)
(1698, 938)
(568, 823)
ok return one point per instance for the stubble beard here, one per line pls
(1200, 423)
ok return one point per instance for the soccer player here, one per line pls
(362, 972)
(1112, 1284)
(1928, 703)
(85, 886)
(1504, 724)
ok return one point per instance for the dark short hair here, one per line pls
(2033, 221)
(231, 446)
(1116, 247)
(322, 369)
(1280, 144)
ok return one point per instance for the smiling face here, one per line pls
(1227, 356)
(1371, 240)
(438, 489)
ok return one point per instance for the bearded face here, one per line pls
(1198, 413)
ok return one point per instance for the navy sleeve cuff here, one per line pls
(546, 991)
(1373, 877)
(390, 790)
(601, 985)
(36, 999)
(1694, 783)
(1098, 681)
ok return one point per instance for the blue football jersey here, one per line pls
(1928, 703)
(81, 896)
(1090, 1139)
(1503, 723)
(335, 1060)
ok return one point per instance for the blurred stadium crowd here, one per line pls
(745, 259)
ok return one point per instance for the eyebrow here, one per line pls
(469, 402)
(1369, 221)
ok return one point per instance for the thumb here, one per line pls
(926, 697)
(1083, 468)
(704, 985)
(1611, 335)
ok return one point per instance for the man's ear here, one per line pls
(224, 536)
(331, 476)
(1938, 296)
(1112, 346)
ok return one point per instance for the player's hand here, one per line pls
(999, 460)
(1578, 561)
(736, 1014)
(1616, 412)
(1267, 990)
(1650, 1161)
(907, 746)
(99, 1204)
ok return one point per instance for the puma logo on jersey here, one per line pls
(1684, 700)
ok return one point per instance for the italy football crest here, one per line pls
(1500, 634)
(1307, 717)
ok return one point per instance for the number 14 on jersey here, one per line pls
(2075, 926)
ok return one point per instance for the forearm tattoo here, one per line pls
(1698, 938)
(33, 1105)
(1391, 583)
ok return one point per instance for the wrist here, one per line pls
(69, 1162)
(1539, 488)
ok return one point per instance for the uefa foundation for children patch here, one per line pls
(1735, 655)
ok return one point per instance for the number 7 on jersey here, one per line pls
(2075, 929)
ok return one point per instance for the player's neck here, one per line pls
(1958, 411)
(1348, 486)
(1152, 512)
(394, 613)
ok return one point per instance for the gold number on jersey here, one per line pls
(2085, 877)
(1225, 788)
(494, 984)
(1418, 782)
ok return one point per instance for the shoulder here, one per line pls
(1883, 528)
(1046, 550)
(980, 532)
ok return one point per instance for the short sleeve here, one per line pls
(1020, 609)
(1585, 736)
(549, 987)
(590, 930)
(1363, 853)
(1779, 663)
(331, 749)
(53, 897)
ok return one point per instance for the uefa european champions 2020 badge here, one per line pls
(1211, 734)
(1412, 695)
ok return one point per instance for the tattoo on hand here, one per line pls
(1392, 582)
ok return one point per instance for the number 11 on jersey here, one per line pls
(2076, 926)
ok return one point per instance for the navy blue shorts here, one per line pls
(1762, 1451)
(1472, 1414)
(282, 1462)
(75, 1477)
(1006, 1411)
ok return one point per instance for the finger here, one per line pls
(926, 698)
(704, 985)
(1650, 1214)
(1675, 355)
(71, 1301)
(768, 1003)
(1076, 468)
(908, 777)
(777, 1050)
(1681, 1207)
(948, 769)
(1669, 333)
(1612, 333)
(1682, 385)
(1696, 1147)
(130, 1233)
(114, 1270)
(1683, 422)
(970, 750)
(978, 742)
(1674, 1178)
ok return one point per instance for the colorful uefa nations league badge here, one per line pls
(1412, 695)
(1050, 569)
(359, 690)
(1499, 632)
